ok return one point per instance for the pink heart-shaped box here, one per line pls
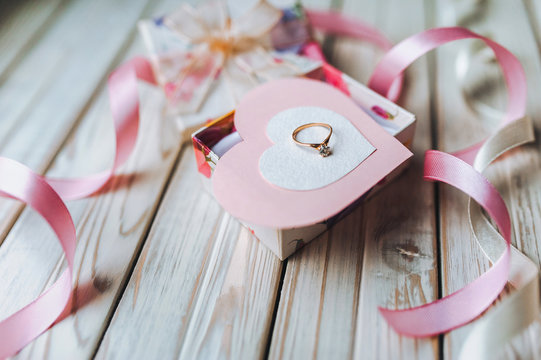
(241, 189)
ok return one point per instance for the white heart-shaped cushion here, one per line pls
(294, 167)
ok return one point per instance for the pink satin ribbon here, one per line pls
(335, 23)
(20, 183)
(406, 52)
(469, 302)
(46, 195)
(124, 102)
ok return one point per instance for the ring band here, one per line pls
(322, 147)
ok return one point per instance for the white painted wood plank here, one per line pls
(400, 235)
(318, 303)
(202, 288)
(222, 282)
(382, 254)
(110, 226)
(46, 94)
(21, 24)
(110, 229)
(102, 261)
(533, 8)
(517, 175)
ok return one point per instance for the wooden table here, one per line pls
(161, 271)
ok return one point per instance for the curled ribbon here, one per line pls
(469, 302)
(45, 196)
(23, 326)
(521, 308)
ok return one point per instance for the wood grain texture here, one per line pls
(15, 106)
(45, 95)
(517, 175)
(21, 25)
(162, 272)
(225, 292)
(533, 8)
(382, 254)
(399, 230)
(203, 286)
(111, 226)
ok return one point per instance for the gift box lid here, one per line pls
(269, 180)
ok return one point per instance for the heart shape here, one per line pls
(241, 189)
(295, 167)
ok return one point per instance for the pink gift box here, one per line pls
(216, 138)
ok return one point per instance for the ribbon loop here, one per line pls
(20, 183)
(469, 302)
(203, 29)
(406, 52)
(466, 304)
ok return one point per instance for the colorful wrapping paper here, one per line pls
(206, 59)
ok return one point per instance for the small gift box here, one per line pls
(288, 194)
(206, 58)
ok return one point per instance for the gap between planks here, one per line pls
(430, 15)
(139, 249)
(84, 111)
(9, 220)
(462, 261)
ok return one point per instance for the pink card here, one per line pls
(269, 180)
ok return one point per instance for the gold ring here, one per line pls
(322, 147)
